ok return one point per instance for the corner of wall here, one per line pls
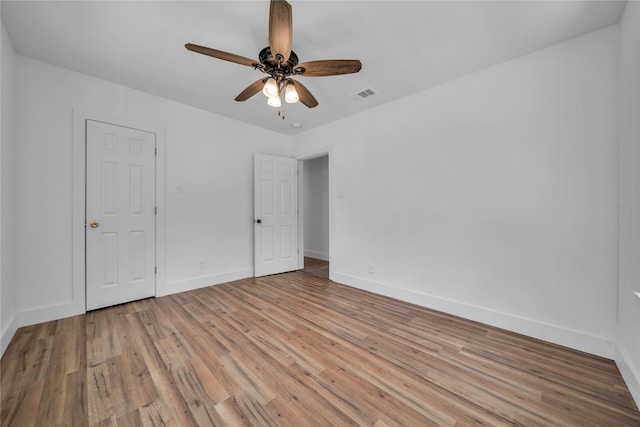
(8, 287)
(8, 331)
(201, 282)
(627, 355)
(48, 313)
(629, 372)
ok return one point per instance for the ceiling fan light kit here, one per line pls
(290, 93)
(270, 88)
(274, 101)
(279, 62)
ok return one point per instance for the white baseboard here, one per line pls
(629, 372)
(8, 331)
(578, 340)
(201, 282)
(49, 313)
(317, 255)
(67, 309)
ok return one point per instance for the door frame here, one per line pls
(309, 155)
(79, 200)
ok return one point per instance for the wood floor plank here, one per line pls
(248, 379)
(75, 399)
(51, 407)
(171, 408)
(243, 410)
(22, 408)
(99, 390)
(157, 414)
(297, 349)
(201, 406)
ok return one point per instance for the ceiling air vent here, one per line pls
(365, 93)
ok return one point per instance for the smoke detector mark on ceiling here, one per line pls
(364, 93)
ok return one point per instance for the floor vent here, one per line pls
(365, 93)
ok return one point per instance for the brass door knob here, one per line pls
(94, 224)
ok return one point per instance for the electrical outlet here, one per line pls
(203, 264)
(372, 269)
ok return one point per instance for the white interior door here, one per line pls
(120, 214)
(276, 214)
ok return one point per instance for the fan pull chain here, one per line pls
(281, 114)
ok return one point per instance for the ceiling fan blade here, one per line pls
(304, 95)
(280, 24)
(223, 55)
(251, 90)
(330, 67)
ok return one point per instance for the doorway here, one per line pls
(316, 216)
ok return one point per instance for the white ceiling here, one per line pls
(404, 46)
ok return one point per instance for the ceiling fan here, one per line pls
(279, 63)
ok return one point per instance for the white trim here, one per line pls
(629, 373)
(161, 204)
(8, 332)
(78, 303)
(301, 253)
(578, 340)
(50, 312)
(317, 255)
(204, 281)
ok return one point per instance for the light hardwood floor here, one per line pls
(316, 267)
(297, 350)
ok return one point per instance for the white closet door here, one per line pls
(120, 214)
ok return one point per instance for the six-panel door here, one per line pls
(120, 214)
(276, 214)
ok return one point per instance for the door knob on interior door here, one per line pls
(259, 221)
(94, 224)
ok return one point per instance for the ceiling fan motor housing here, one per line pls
(273, 67)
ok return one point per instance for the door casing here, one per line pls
(77, 299)
(308, 155)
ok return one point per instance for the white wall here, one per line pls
(316, 208)
(628, 331)
(8, 287)
(492, 197)
(210, 156)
